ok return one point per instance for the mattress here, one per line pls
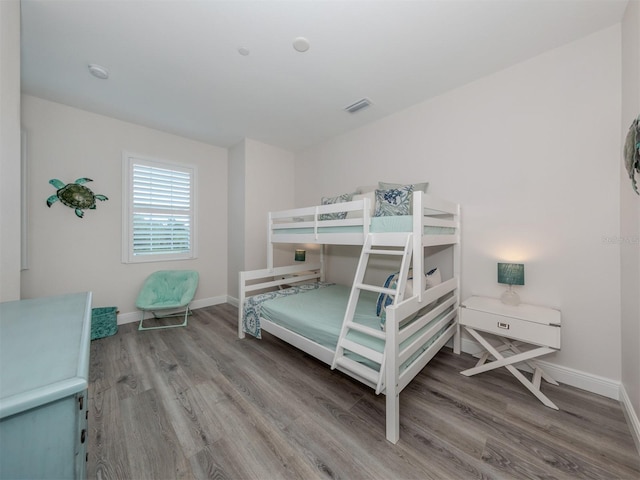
(318, 314)
(389, 224)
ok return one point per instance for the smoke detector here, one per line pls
(301, 44)
(359, 105)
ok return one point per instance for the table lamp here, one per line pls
(510, 274)
(300, 255)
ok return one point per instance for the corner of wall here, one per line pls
(10, 158)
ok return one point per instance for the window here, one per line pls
(159, 210)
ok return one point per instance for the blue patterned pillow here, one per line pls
(416, 186)
(383, 298)
(433, 278)
(396, 201)
(345, 197)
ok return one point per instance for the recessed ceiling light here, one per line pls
(98, 71)
(301, 44)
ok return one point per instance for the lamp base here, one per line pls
(510, 297)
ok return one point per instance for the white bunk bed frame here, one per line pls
(429, 211)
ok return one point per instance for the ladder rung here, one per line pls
(375, 288)
(361, 370)
(368, 330)
(384, 252)
(361, 350)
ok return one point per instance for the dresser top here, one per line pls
(44, 350)
(530, 313)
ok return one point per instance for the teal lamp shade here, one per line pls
(511, 273)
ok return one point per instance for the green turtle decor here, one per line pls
(75, 195)
(632, 152)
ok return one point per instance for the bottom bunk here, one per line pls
(310, 317)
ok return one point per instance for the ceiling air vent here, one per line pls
(359, 105)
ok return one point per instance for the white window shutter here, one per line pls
(160, 211)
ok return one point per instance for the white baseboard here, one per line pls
(207, 302)
(233, 301)
(569, 376)
(201, 303)
(631, 416)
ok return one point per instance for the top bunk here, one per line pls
(388, 214)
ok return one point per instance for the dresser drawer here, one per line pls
(515, 328)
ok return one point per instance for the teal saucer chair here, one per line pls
(169, 291)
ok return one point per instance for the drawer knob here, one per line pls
(504, 325)
(81, 402)
(83, 435)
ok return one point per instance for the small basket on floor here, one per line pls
(104, 322)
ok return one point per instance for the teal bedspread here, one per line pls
(317, 314)
(253, 305)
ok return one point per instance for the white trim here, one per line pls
(24, 202)
(631, 416)
(132, 317)
(576, 378)
(585, 381)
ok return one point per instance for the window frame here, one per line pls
(130, 159)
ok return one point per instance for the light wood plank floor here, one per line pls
(197, 402)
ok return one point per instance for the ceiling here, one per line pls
(175, 65)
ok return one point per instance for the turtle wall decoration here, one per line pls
(631, 152)
(75, 195)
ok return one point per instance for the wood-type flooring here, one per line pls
(198, 402)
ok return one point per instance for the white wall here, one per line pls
(69, 254)
(10, 150)
(236, 235)
(262, 180)
(269, 186)
(532, 155)
(630, 217)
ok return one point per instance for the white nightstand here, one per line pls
(514, 326)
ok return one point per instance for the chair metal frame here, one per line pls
(187, 312)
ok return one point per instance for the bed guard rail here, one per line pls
(269, 278)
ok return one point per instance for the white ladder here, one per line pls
(374, 377)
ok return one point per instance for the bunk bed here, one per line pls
(340, 325)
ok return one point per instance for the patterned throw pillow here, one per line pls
(345, 197)
(433, 278)
(396, 201)
(383, 298)
(416, 186)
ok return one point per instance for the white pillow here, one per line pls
(433, 278)
(408, 289)
(372, 200)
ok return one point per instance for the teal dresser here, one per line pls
(44, 371)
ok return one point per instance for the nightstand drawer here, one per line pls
(517, 329)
